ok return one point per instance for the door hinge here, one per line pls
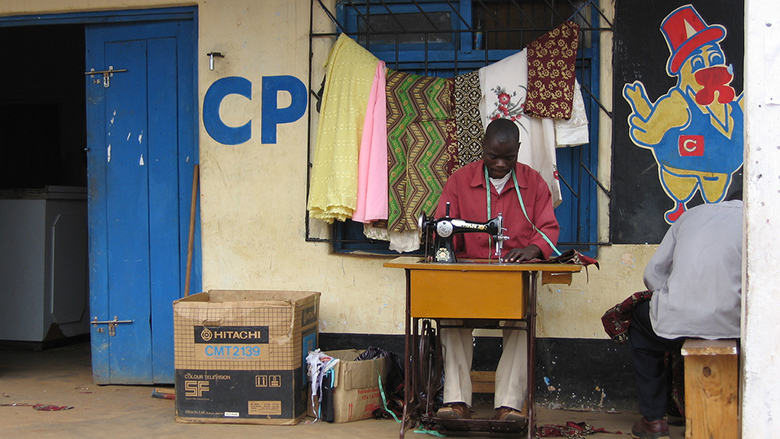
(106, 75)
(111, 324)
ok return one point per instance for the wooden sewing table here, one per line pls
(471, 291)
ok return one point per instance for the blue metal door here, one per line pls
(142, 145)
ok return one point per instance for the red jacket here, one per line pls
(465, 190)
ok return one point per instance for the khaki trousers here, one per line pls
(511, 376)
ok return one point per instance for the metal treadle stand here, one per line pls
(474, 292)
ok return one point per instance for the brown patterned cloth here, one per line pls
(551, 75)
(618, 318)
(422, 147)
(470, 131)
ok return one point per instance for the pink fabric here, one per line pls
(465, 190)
(372, 161)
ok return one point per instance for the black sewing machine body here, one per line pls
(438, 234)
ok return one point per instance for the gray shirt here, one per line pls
(696, 274)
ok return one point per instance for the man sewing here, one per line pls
(478, 192)
(695, 277)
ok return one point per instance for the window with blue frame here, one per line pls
(445, 38)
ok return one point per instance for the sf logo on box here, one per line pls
(195, 388)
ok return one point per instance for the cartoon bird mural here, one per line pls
(695, 129)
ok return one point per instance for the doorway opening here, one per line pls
(43, 187)
(58, 151)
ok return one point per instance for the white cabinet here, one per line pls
(43, 264)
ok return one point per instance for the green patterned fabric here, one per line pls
(422, 145)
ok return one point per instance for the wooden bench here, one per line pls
(711, 389)
(483, 381)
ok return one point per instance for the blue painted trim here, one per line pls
(591, 208)
(466, 38)
(211, 102)
(190, 133)
(96, 206)
(92, 17)
(181, 104)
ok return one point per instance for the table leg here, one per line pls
(531, 333)
(407, 356)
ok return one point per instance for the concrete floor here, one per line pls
(63, 377)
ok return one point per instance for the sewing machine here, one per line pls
(437, 234)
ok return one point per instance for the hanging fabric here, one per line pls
(400, 242)
(433, 126)
(422, 151)
(573, 131)
(470, 130)
(372, 161)
(504, 87)
(349, 76)
(551, 63)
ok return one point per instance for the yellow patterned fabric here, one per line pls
(551, 75)
(349, 74)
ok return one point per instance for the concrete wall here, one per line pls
(760, 338)
(253, 195)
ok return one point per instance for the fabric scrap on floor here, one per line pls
(164, 394)
(572, 430)
(51, 408)
(39, 407)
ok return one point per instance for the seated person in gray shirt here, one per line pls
(696, 280)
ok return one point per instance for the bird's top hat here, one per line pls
(685, 31)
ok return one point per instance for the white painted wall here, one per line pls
(760, 333)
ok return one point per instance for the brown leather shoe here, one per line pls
(510, 414)
(644, 429)
(455, 410)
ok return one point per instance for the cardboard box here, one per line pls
(356, 391)
(240, 356)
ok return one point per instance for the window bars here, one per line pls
(449, 37)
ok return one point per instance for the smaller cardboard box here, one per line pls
(240, 355)
(356, 392)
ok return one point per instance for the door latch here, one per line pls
(111, 324)
(106, 75)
